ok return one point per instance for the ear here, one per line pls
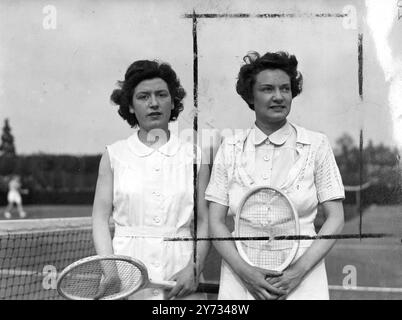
(130, 109)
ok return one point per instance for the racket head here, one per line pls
(267, 212)
(82, 279)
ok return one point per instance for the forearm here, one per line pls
(101, 235)
(202, 247)
(102, 208)
(320, 247)
(227, 248)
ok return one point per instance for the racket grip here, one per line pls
(162, 284)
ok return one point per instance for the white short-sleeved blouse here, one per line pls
(294, 159)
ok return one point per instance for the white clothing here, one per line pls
(14, 196)
(152, 199)
(294, 159)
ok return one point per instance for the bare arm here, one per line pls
(102, 208)
(202, 217)
(317, 251)
(333, 225)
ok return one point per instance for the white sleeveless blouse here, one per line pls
(152, 199)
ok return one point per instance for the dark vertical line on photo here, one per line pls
(360, 62)
(359, 193)
(195, 140)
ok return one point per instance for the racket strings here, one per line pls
(101, 279)
(266, 213)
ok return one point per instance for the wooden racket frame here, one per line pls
(296, 244)
(145, 282)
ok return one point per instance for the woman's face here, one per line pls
(152, 104)
(272, 96)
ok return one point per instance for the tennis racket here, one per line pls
(110, 277)
(267, 229)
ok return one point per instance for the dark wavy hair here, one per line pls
(145, 70)
(255, 64)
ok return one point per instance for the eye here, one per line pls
(142, 97)
(285, 89)
(266, 89)
(163, 94)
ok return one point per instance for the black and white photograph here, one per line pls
(212, 151)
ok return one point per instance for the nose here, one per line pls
(278, 95)
(153, 103)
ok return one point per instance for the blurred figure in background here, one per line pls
(14, 197)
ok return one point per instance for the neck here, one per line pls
(154, 138)
(269, 128)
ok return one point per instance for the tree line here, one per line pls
(69, 178)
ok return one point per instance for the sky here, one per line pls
(59, 67)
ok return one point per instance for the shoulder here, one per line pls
(117, 144)
(116, 151)
(236, 137)
(118, 148)
(105, 164)
(315, 138)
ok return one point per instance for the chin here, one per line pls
(157, 125)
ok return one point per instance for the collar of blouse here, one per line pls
(169, 149)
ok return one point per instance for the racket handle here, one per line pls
(162, 284)
(205, 287)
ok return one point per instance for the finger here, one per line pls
(101, 291)
(189, 288)
(274, 290)
(283, 297)
(174, 291)
(257, 296)
(273, 281)
(183, 292)
(173, 277)
(268, 296)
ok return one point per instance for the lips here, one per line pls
(154, 114)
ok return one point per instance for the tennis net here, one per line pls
(33, 252)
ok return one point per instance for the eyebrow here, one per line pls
(271, 85)
(149, 91)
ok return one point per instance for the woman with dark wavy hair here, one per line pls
(145, 183)
(277, 153)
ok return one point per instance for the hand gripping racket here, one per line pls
(267, 229)
(110, 277)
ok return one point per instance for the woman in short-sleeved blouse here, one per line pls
(281, 154)
(146, 183)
